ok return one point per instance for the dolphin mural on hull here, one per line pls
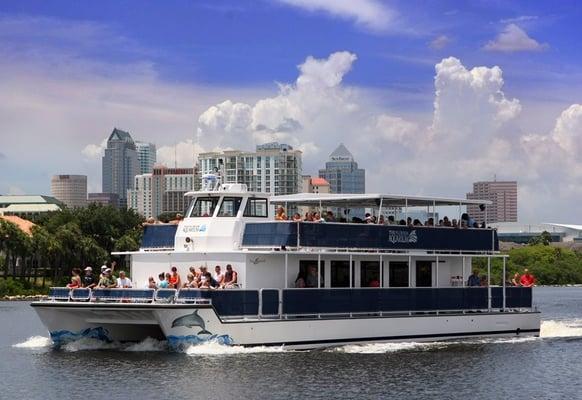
(190, 321)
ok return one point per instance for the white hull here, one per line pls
(188, 324)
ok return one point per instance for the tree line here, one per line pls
(66, 239)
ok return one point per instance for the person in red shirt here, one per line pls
(527, 279)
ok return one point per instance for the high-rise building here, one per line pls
(273, 168)
(503, 194)
(120, 165)
(161, 191)
(70, 189)
(342, 172)
(146, 154)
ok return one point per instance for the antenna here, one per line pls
(175, 155)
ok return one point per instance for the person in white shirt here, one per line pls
(123, 281)
(218, 276)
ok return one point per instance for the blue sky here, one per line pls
(163, 70)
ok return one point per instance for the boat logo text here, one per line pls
(402, 236)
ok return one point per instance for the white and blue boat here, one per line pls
(374, 283)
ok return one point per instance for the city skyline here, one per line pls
(427, 101)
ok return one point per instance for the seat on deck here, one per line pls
(59, 293)
(165, 295)
(194, 296)
(80, 294)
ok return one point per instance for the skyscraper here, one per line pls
(146, 154)
(272, 168)
(503, 194)
(342, 172)
(70, 189)
(120, 165)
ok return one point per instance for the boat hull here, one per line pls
(184, 325)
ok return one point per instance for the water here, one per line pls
(519, 368)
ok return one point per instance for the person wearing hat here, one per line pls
(88, 279)
(107, 281)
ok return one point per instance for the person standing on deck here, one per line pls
(527, 279)
(474, 279)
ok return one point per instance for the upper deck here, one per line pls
(229, 218)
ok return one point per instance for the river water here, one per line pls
(549, 367)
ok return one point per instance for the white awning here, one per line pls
(369, 200)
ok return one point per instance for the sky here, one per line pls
(429, 96)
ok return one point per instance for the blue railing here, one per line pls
(293, 302)
(368, 236)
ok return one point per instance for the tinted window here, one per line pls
(398, 275)
(229, 206)
(340, 273)
(204, 207)
(256, 208)
(370, 274)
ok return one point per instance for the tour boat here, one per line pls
(368, 282)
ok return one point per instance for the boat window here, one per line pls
(424, 274)
(256, 208)
(398, 276)
(370, 274)
(229, 206)
(204, 207)
(308, 272)
(340, 273)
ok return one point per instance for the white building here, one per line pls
(522, 233)
(161, 191)
(273, 168)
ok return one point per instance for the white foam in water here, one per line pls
(380, 348)
(85, 344)
(35, 342)
(148, 344)
(553, 328)
(214, 348)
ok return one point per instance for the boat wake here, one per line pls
(549, 329)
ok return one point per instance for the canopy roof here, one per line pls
(369, 200)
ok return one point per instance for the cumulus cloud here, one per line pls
(182, 154)
(514, 39)
(440, 42)
(369, 14)
(94, 151)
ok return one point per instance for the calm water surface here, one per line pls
(549, 367)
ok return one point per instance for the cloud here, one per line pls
(15, 191)
(368, 14)
(182, 154)
(514, 39)
(94, 151)
(440, 42)
(519, 19)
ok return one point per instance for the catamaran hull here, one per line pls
(184, 325)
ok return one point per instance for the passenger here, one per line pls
(391, 220)
(230, 277)
(409, 221)
(175, 281)
(440, 222)
(483, 281)
(474, 279)
(297, 217)
(417, 223)
(311, 279)
(382, 221)
(402, 222)
(75, 279)
(218, 276)
(527, 279)
(329, 217)
(164, 283)
(317, 218)
(103, 268)
(206, 281)
(454, 223)
(464, 220)
(151, 283)
(308, 217)
(430, 222)
(88, 279)
(446, 221)
(300, 280)
(191, 281)
(280, 214)
(515, 281)
(368, 219)
(107, 281)
(123, 281)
